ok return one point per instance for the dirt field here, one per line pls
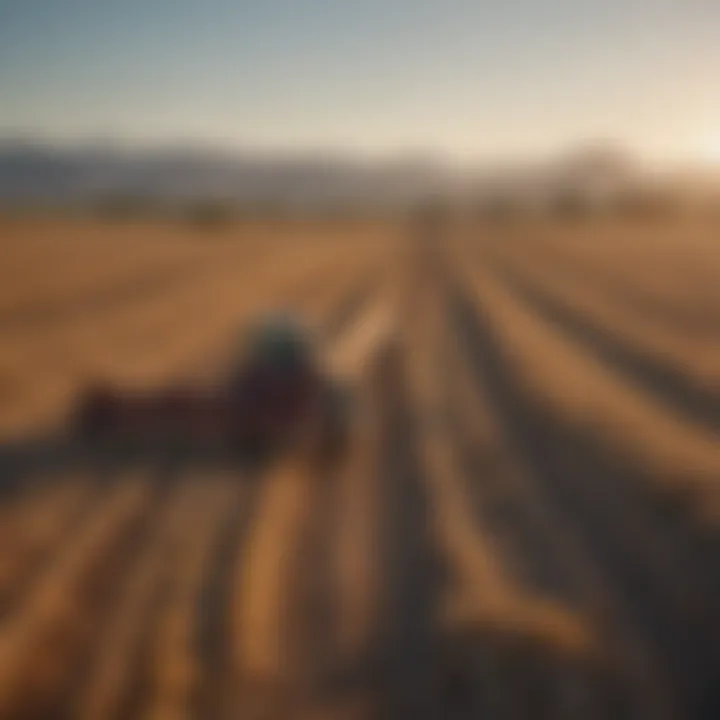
(526, 524)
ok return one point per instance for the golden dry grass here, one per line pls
(672, 263)
(695, 356)
(496, 542)
(144, 338)
(574, 382)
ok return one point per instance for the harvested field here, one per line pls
(526, 524)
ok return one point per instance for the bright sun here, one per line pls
(712, 151)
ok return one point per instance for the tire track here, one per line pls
(501, 633)
(282, 640)
(111, 685)
(383, 564)
(124, 681)
(546, 557)
(216, 611)
(681, 460)
(31, 530)
(357, 557)
(674, 387)
(636, 554)
(413, 572)
(42, 649)
(702, 322)
(177, 669)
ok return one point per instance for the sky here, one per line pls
(463, 78)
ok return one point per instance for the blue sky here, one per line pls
(464, 77)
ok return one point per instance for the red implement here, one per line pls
(261, 412)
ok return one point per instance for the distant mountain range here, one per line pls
(43, 173)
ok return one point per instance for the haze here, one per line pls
(460, 78)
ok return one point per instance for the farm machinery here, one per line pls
(278, 398)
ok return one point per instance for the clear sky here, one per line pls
(466, 77)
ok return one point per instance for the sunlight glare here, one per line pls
(712, 150)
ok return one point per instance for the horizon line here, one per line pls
(349, 154)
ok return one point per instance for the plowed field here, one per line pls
(525, 525)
